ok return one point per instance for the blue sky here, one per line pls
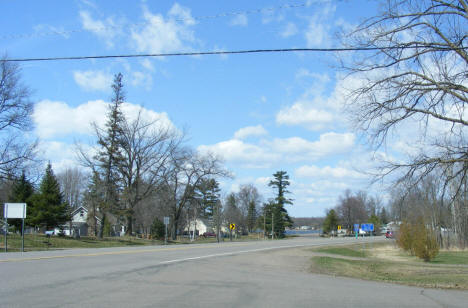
(261, 112)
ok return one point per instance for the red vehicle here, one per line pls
(389, 234)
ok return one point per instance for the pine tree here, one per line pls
(94, 200)
(21, 193)
(280, 183)
(331, 222)
(110, 155)
(251, 216)
(48, 209)
(207, 193)
(274, 219)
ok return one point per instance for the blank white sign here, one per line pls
(14, 210)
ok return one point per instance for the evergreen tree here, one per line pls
(48, 209)
(274, 218)
(331, 222)
(110, 156)
(21, 193)
(94, 200)
(280, 184)
(383, 216)
(207, 194)
(251, 216)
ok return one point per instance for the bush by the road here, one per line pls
(419, 240)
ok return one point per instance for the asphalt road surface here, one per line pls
(242, 274)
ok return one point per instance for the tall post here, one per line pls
(165, 235)
(272, 225)
(264, 223)
(22, 229)
(6, 227)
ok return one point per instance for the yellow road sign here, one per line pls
(232, 226)
(339, 228)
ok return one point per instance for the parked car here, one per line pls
(389, 234)
(209, 234)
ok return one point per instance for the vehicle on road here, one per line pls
(389, 234)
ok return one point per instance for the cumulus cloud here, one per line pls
(289, 30)
(312, 171)
(239, 20)
(298, 149)
(107, 29)
(318, 30)
(237, 151)
(161, 34)
(67, 120)
(302, 114)
(269, 152)
(250, 131)
(93, 80)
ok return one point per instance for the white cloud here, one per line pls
(302, 114)
(66, 120)
(327, 171)
(317, 33)
(237, 151)
(298, 149)
(289, 30)
(250, 131)
(107, 29)
(93, 80)
(141, 79)
(269, 152)
(160, 34)
(239, 20)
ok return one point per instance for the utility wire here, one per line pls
(199, 18)
(232, 52)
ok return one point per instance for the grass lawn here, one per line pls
(395, 266)
(349, 251)
(34, 242)
(451, 257)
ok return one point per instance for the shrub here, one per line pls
(418, 240)
(158, 229)
(405, 237)
(425, 243)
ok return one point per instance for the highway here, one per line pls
(237, 274)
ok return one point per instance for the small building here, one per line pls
(79, 223)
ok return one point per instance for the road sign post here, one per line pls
(232, 226)
(356, 230)
(14, 210)
(166, 222)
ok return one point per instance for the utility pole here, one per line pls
(272, 225)
(264, 223)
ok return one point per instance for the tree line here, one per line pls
(137, 172)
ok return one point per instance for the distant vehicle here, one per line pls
(389, 234)
(209, 234)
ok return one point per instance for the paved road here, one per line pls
(250, 274)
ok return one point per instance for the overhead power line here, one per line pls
(230, 52)
(195, 18)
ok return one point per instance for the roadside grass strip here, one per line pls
(448, 271)
(352, 251)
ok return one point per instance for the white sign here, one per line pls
(166, 220)
(14, 210)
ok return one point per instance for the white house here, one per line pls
(79, 223)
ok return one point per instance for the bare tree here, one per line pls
(248, 195)
(72, 182)
(187, 169)
(147, 147)
(414, 74)
(351, 209)
(16, 151)
(417, 73)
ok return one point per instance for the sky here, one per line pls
(260, 112)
